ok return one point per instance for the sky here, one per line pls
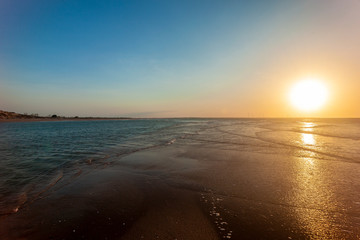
(199, 58)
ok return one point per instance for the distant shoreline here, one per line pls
(6, 116)
(62, 119)
(45, 119)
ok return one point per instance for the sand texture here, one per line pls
(196, 192)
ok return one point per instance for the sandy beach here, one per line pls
(179, 120)
(193, 192)
(131, 200)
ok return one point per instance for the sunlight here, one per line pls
(308, 95)
(308, 126)
(308, 139)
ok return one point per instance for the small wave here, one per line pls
(22, 200)
(172, 141)
(14, 205)
(77, 174)
(55, 180)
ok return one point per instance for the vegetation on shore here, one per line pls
(4, 115)
(13, 115)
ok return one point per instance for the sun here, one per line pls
(309, 95)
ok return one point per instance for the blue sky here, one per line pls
(161, 58)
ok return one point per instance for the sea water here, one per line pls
(39, 157)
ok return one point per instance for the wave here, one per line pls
(258, 137)
(74, 150)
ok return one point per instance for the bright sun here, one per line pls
(308, 95)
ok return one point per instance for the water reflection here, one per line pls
(307, 126)
(308, 139)
(313, 195)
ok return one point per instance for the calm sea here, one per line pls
(39, 157)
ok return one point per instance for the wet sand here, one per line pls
(198, 192)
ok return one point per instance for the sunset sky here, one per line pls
(177, 58)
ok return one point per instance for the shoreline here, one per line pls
(187, 192)
(131, 199)
(198, 188)
(60, 119)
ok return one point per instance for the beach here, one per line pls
(179, 120)
(198, 186)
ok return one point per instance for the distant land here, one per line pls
(6, 116)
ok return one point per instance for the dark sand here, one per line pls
(196, 192)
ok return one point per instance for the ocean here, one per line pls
(34, 156)
(40, 158)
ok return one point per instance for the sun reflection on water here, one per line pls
(308, 139)
(307, 126)
(312, 193)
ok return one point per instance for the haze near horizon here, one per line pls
(178, 59)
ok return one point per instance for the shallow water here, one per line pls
(34, 156)
(318, 177)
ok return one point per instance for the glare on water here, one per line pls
(314, 194)
(308, 139)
